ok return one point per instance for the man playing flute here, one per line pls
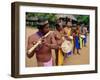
(43, 50)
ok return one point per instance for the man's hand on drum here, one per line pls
(67, 38)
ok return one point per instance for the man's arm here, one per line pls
(31, 42)
(53, 44)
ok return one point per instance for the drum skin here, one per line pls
(67, 46)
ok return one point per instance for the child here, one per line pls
(77, 42)
(85, 34)
(74, 35)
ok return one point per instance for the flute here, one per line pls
(39, 42)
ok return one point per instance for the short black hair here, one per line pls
(58, 25)
(42, 23)
(42, 26)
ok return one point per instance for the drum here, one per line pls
(71, 37)
(67, 46)
(82, 36)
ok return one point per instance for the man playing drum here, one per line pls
(58, 35)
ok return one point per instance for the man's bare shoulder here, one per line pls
(52, 33)
(55, 32)
(33, 36)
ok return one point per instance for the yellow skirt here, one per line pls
(60, 57)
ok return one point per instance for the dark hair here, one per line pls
(42, 23)
(67, 20)
(42, 26)
(57, 25)
(64, 25)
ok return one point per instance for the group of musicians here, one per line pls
(64, 40)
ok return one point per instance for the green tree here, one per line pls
(83, 18)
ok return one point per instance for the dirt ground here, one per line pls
(75, 59)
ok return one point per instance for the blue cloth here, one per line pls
(69, 53)
(40, 34)
(77, 44)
